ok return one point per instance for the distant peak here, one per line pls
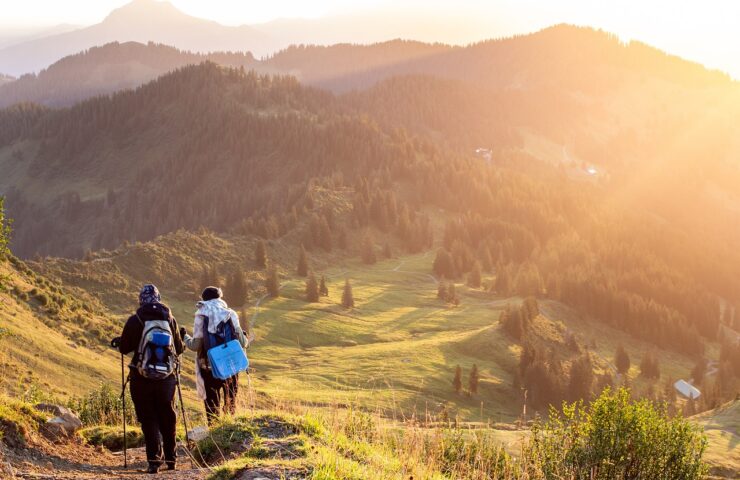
(134, 10)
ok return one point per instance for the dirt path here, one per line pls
(75, 461)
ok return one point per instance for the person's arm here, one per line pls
(131, 335)
(195, 342)
(176, 339)
(236, 325)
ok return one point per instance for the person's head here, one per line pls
(149, 294)
(211, 293)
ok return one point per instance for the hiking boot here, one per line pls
(152, 468)
(170, 465)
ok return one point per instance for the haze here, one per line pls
(704, 32)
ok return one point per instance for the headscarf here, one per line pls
(149, 294)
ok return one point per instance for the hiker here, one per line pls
(152, 334)
(214, 318)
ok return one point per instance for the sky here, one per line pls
(703, 31)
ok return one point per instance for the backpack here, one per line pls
(222, 355)
(155, 357)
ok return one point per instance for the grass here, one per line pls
(722, 429)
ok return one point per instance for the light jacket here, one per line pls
(217, 312)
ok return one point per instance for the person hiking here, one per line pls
(211, 318)
(152, 334)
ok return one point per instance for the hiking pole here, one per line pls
(116, 343)
(182, 405)
(123, 407)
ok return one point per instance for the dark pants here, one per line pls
(154, 401)
(216, 390)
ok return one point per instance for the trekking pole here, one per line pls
(182, 405)
(123, 407)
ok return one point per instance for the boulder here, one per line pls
(63, 424)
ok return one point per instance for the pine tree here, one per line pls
(474, 277)
(312, 289)
(323, 290)
(473, 380)
(622, 360)
(348, 300)
(271, 283)
(5, 230)
(452, 294)
(368, 250)
(697, 373)
(442, 291)
(581, 378)
(457, 381)
(235, 289)
(302, 268)
(260, 255)
(443, 265)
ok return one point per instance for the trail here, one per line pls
(74, 461)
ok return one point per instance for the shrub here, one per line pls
(111, 437)
(103, 406)
(615, 438)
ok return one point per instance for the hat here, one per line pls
(211, 293)
(149, 294)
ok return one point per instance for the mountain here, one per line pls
(625, 216)
(107, 69)
(141, 21)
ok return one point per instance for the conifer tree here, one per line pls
(697, 373)
(260, 255)
(457, 381)
(452, 294)
(474, 277)
(4, 230)
(622, 360)
(272, 283)
(368, 250)
(443, 265)
(348, 300)
(473, 380)
(312, 289)
(323, 289)
(581, 378)
(235, 289)
(302, 269)
(442, 291)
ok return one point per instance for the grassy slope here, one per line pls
(722, 428)
(51, 356)
(398, 348)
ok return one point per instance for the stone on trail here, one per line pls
(64, 424)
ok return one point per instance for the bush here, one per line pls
(111, 437)
(615, 438)
(103, 406)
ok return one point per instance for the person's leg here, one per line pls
(231, 388)
(213, 395)
(146, 412)
(167, 417)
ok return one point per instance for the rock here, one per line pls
(55, 410)
(62, 425)
(198, 433)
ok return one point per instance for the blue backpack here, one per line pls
(225, 356)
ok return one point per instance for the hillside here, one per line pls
(722, 428)
(107, 69)
(50, 331)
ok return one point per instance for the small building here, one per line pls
(686, 389)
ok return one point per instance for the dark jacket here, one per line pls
(134, 328)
